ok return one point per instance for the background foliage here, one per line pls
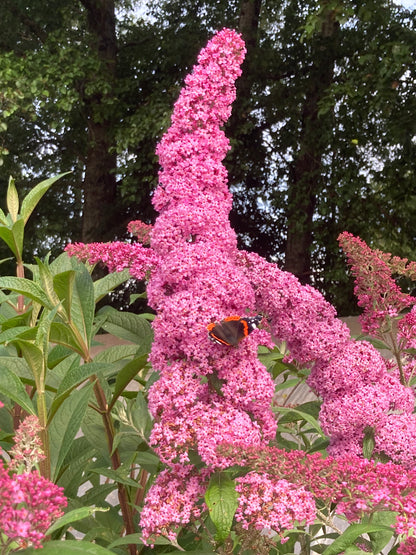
(322, 129)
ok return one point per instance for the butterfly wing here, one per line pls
(229, 331)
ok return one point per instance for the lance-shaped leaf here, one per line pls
(75, 376)
(64, 335)
(46, 280)
(126, 374)
(18, 231)
(128, 326)
(3, 218)
(65, 426)
(74, 516)
(12, 199)
(106, 284)
(82, 305)
(13, 388)
(25, 287)
(222, 501)
(69, 547)
(350, 535)
(33, 355)
(13, 237)
(34, 195)
(12, 333)
(63, 284)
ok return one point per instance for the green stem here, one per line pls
(105, 411)
(328, 521)
(44, 465)
(20, 272)
(125, 507)
(396, 352)
(304, 545)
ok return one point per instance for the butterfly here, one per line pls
(231, 330)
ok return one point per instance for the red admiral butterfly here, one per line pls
(232, 329)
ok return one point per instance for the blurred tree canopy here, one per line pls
(323, 130)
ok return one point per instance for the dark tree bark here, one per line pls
(246, 138)
(99, 207)
(306, 171)
(248, 26)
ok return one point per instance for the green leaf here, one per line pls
(9, 237)
(75, 376)
(94, 432)
(377, 343)
(3, 219)
(63, 284)
(83, 306)
(126, 374)
(119, 475)
(46, 278)
(26, 287)
(140, 416)
(43, 329)
(381, 539)
(304, 416)
(65, 426)
(126, 540)
(368, 442)
(74, 516)
(12, 333)
(287, 384)
(148, 460)
(31, 200)
(116, 353)
(18, 231)
(35, 359)
(106, 284)
(222, 501)
(69, 547)
(350, 535)
(98, 493)
(12, 387)
(62, 334)
(128, 326)
(12, 199)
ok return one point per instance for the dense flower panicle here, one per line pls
(357, 364)
(29, 504)
(396, 438)
(27, 450)
(377, 292)
(266, 502)
(357, 486)
(206, 392)
(406, 340)
(116, 256)
(369, 405)
(197, 279)
(172, 502)
(297, 314)
(351, 376)
(140, 230)
(407, 547)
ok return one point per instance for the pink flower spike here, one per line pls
(27, 451)
(29, 504)
(377, 292)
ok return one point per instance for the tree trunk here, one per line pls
(100, 179)
(248, 26)
(306, 179)
(246, 135)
